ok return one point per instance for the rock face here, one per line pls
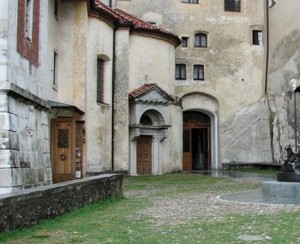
(245, 137)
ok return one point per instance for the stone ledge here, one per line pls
(16, 91)
(235, 165)
(28, 207)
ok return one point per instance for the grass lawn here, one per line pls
(121, 220)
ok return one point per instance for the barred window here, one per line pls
(55, 69)
(190, 1)
(200, 40)
(29, 19)
(198, 72)
(184, 41)
(100, 80)
(180, 72)
(233, 5)
(257, 37)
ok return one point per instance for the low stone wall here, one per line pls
(27, 207)
(235, 166)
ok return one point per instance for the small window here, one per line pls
(100, 80)
(55, 69)
(184, 41)
(152, 23)
(56, 8)
(257, 37)
(233, 5)
(145, 120)
(272, 2)
(29, 19)
(190, 1)
(200, 40)
(180, 72)
(198, 72)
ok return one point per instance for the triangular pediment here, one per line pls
(151, 93)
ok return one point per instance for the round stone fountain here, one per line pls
(287, 182)
(284, 190)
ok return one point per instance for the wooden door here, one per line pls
(63, 150)
(196, 141)
(144, 155)
(187, 154)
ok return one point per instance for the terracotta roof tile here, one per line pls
(126, 18)
(139, 23)
(147, 87)
(141, 90)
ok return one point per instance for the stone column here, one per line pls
(121, 106)
(156, 164)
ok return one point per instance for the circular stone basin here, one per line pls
(272, 192)
(288, 176)
(281, 189)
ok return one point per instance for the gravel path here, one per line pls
(182, 209)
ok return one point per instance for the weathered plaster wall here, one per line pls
(151, 61)
(175, 146)
(3, 40)
(234, 69)
(284, 65)
(98, 116)
(121, 91)
(53, 24)
(247, 134)
(72, 52)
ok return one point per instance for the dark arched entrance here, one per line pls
(196, 141)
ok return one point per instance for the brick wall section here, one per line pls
(28, 48)
(26, 208)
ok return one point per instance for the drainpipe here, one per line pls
(267, 48)
(113, 103)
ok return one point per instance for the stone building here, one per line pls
(220, 76)
(67, 69)
(143, 87)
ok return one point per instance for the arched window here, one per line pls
(100, 80)
(145, 120)
(200, 40)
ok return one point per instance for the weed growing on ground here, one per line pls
(121, 220)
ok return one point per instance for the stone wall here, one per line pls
(28, 207)
(24, 140)
(284, 65)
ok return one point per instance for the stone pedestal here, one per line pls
(288, 177)
(281, 189)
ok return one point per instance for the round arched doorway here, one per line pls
(196, 141)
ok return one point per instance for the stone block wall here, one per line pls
(28, 207)
(24, 140)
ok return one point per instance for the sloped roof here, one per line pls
(146, 88)
(120, 17)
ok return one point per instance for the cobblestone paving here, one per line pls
(181, 209)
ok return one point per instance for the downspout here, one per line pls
(271, 119)
(267, 48)
(113, 102)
